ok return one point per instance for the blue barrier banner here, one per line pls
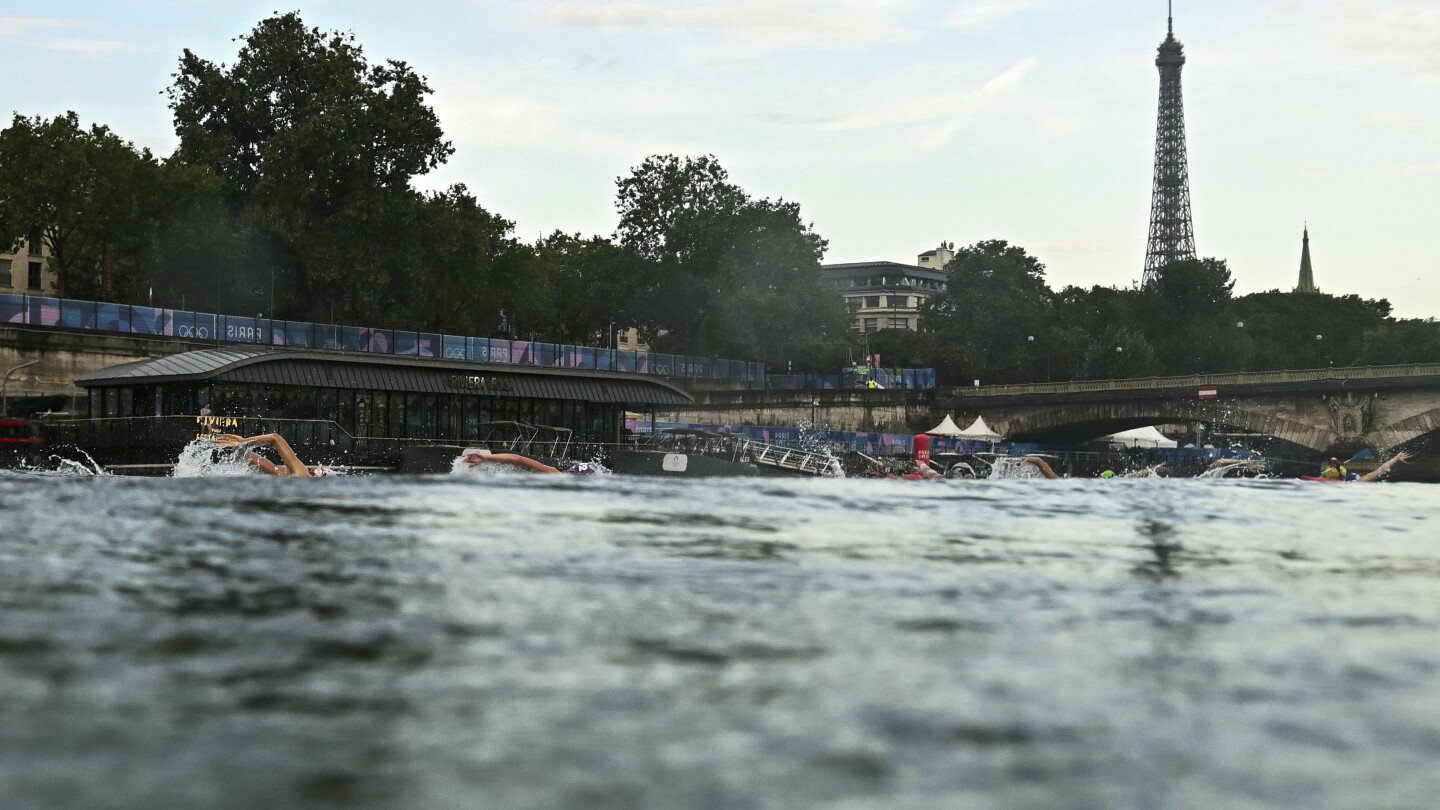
(27, 310)
(148, 321)
(77, 314)
(325, 336)
(112, 318)
(297, 333)
(182, 325)
(239, 330)
(12, 308)
(43, 311)
(521, 352)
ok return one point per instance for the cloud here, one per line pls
(1414, 168)
(27, 31)
(794, 23)
(985, 14)
(906, 100)
(18, 27)
(1404, 33)
(93, 48)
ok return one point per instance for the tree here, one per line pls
(1402, 341)
(318, 146)
(597, 287)
(457, 266)
(777, 305)
(995, 298)
(1283, 326)
(731, 274)
(92, 197)
(1120, 352)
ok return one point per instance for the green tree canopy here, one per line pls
(733, 275)
(317, 145)
(88, 194)
(995, 299)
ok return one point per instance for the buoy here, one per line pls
(922, 447)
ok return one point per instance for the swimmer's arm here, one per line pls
(1039, 464)
(1378, 472)
(514, 460)
(293, 465)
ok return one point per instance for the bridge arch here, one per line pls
(1074, 424)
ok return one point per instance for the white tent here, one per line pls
(1140, 437)
(947, 428)
(980, 431)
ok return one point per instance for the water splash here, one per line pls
(57, 464)
(1007, 467)
(205, 459)
(812, 438)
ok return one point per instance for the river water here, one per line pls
(512, 641)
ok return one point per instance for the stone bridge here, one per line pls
(1301, 413)
(1331, 411)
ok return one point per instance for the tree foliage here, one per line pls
(317, 146)
(732, 275)
(87, 193)
(995, 300)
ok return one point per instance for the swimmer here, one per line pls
(1379, 472)
(1039, 464)
(292, 465)
(478, 458)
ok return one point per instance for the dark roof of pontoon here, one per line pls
(383, 372)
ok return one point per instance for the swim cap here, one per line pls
(317, 472)
(583, 468)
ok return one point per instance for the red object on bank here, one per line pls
(1209, 393)
(922, 448)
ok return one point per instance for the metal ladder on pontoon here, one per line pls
(788, 458)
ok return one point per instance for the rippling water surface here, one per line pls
(514, 641)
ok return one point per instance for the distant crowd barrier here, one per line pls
(885, 377)
(94, 316)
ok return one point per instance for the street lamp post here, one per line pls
(1031, 340)
(5, 383)
(1319, 362)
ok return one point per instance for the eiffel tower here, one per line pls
(1172, 236)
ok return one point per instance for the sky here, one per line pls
(895, 124)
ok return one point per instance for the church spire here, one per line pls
(1307, 276)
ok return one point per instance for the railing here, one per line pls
(907, 378)
(167, 431)
(93, 316)
(1201, 380)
